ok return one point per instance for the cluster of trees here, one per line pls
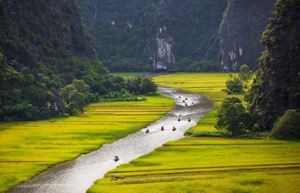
(26, 95)
(234, 117)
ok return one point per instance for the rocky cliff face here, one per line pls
(240, 31)
(134, 35)
(41, 32)
(277, 86)
(163, 56)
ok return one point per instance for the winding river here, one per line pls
(78, 175)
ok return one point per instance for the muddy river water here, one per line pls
(78, 175)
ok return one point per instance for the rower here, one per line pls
(189, 119)
(162, 128)
(116, 158)
(147, 131)
(183, 101)
(186, 99)
(174, 128)
(179, 119)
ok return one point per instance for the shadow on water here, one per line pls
(78, 175)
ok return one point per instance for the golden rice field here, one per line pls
(208, 165)
(28, 148)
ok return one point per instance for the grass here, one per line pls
(206, 164)
(28, 148)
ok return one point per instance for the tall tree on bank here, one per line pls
(277, 85)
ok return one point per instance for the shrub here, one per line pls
(287, 126)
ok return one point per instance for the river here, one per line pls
(78, 175)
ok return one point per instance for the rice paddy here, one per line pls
(208, 165)
(27, 148)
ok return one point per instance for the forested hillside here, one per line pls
(277, 86)
(48, 66)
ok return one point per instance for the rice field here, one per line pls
(27, 148)
(208, 165)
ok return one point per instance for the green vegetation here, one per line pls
(277, 84)
(77, 82)
(245, 74)
(233, 117)
(28, 148)
(234, 85)
(287, 126)
(214, 165)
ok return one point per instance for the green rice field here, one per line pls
(27, 148)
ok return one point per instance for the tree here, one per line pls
(81, 86)
(287, 126)
(74, 96)
(232, 116)
(245, 73)
(234, 85)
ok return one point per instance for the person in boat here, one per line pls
(179, 119)
(186, 99)
(162, 128)
(147, 131)
(174, 128)
(116, 158)
(179, 97)
(189, 120)
(183, 101)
